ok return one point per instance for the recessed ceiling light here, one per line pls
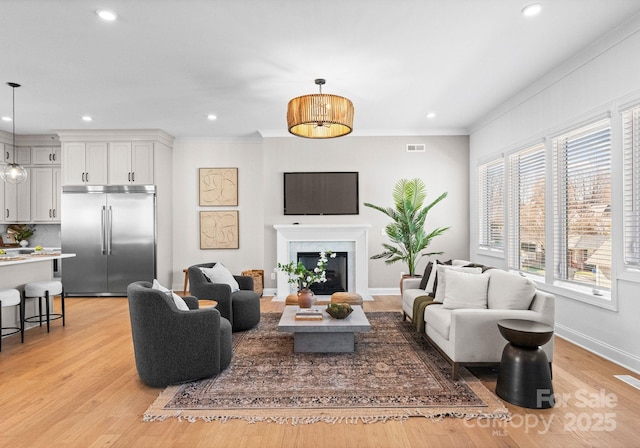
(86, 118)
(6, 118)
(430, 115)
(212, 117)
(532, 9)
(106, 15)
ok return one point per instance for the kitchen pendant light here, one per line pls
(320, 115)
(13, 172)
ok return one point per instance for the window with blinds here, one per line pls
(582, 206)
(631, 146)
(491, 200)
(526, 199)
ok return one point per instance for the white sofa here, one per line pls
(466, 332)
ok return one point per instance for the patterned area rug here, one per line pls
(393, 374)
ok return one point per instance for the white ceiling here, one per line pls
(166, 64)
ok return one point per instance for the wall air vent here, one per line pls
(416, 147)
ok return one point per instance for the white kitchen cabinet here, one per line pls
(46, 190)
(22, 156)
(131, 163)
(46, 155)
(16, 201)
(84, 163)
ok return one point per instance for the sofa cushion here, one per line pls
(465, 290)
(432, 284)
(220, 274)
(442, 278)
(439, 319)
(425, 276)
(179, 301)
(509, 291)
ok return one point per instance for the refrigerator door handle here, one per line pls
(109, 225)
(103, 230)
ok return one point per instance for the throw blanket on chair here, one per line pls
(418, 311)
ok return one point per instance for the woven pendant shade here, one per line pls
(320, 115)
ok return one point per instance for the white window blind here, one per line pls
(631, 145)
(527, 210)
(582, 206)
(491, 213)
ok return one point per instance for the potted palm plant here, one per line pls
(406, 231)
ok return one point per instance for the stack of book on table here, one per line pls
(308, 314)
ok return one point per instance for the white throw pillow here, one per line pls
(465, 290)
(442, 278)
(432, 278)
(220, 274)
(179, 301)
(509, 291)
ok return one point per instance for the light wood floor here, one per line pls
(77, 387)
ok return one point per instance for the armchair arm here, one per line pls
(192, 302)
(188, 345)
(245, 282)
(221, 293)
(202, 288)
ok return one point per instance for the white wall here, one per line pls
(190, 155)
(595, 81)
(381, 161)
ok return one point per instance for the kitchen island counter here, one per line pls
(11, 259)
(15, 273)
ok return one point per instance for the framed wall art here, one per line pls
(219, 230)
(218, 187)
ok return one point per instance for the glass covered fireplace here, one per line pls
(336, 272)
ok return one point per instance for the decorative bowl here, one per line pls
(339, 310)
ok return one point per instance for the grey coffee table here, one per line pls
(326, 336)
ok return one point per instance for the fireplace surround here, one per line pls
(349, 238)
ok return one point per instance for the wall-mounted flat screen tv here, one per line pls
(321, 193)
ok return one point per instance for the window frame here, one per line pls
(630, 124)
(580, 291)
(513, 208)
(485, 212)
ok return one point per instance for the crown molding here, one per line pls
(380, 133)
(114, 135)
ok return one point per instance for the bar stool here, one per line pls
(40, 290)
(11, 297)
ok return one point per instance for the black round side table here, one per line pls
(525, 376)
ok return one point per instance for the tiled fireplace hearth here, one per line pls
(352, 239)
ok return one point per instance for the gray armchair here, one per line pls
(173, 346)
(242, 308)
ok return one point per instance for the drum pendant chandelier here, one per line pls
(320, 115)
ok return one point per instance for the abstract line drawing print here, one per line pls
(219, 230)
(218, 186)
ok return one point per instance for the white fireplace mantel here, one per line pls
(357, 234)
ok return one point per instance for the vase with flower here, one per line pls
(303, 278)
(21, 233)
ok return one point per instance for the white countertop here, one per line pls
(11, 259)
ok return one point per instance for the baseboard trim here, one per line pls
(372, 291)
(384, 291)
(606, 351)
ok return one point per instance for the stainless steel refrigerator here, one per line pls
(112, 231)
